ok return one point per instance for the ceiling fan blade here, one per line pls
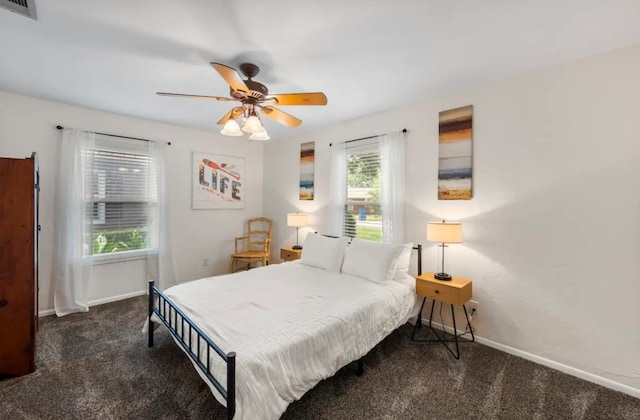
(233, 113)
(184, 95)
(313, 98)
(280, 116)
(231, 76)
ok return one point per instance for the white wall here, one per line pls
(552, 234)
(28, 125)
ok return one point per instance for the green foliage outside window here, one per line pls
(363, 170)
(369, 233)
(120, 240)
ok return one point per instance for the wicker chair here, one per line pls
(253, 248)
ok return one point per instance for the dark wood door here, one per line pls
(17, 256)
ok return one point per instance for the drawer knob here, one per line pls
(437, 291)
(3, 303)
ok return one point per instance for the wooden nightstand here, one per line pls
(287, 253)
(457, 291)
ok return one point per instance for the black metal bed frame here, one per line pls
(171, 322)
(177, 317)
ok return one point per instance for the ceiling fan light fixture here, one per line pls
(253, 97)
(231, 128)
(252, 125)
(262, 135)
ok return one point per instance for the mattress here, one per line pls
(291, 326)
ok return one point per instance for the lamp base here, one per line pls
(442, 276)
(296, 247)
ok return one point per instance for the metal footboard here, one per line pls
(183, 329)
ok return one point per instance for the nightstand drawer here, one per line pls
(437, 292)
(457, 291)
(288, 254)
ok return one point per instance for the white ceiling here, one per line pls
(366, 55)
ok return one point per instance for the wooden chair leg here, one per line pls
(233, 260)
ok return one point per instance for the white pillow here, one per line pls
(323, 252)
(404, 260)
(373, 261)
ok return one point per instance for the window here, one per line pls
(362, 216)
(122, 199)
(367, 188)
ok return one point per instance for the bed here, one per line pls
(289, 325)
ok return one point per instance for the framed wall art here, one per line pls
(307, 161)
(217, 181)
(455, 137)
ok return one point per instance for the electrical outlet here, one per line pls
(473, 308)
(205, 262)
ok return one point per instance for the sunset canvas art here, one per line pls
(307, 160)
(455, 137)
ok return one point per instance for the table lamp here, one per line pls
(445, 233)
(297, 220)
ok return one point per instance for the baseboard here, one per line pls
(47, 312)
(587, 376)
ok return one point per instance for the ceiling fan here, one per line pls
(254, 97)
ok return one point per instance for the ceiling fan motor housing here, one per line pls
(258, 90)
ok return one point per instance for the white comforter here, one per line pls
(291, 326)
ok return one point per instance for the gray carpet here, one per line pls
(97, 366)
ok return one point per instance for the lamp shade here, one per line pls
(297, 219)
(231, 128)
(444, 232)
(260, 135)
(252, 125)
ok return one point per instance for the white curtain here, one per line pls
(337, 189)
(71, 268)
(392, 184)
(160, 256)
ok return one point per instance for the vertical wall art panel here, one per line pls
(217, 181)
(455, 146)
(307, 159)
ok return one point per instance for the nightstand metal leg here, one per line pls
(441, 338)
(418, 323)
(466, 315)
(455, 335)
(433, 304)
